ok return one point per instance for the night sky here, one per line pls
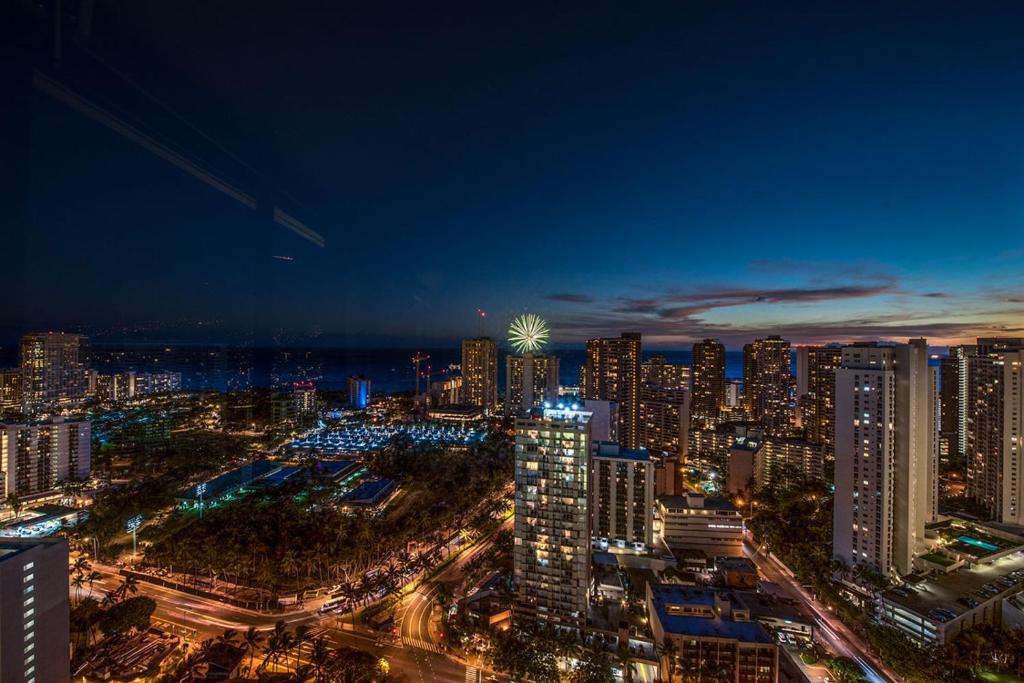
(706, 169)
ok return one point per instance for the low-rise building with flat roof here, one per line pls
(932, 610)
(708, 523)
(712, 627)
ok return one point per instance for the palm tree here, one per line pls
(14, 503)
(251, 641)
(229, 637)
(81, 564)
(301, 636)
(77, 581)
(130, 584)
(91, 578)
(320, 659)
(669, 652)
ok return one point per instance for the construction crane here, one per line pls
(416, 360)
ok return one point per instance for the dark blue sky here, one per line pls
(718, 169)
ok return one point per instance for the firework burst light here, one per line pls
(528, 333)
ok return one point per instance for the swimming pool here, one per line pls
(978, 544)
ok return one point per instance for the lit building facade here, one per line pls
(695, 521)
(529, 381)
(622, 497)
(551, 552)
(886, 473)
(766, 376)
(358, 392)
(53, 372)
(665, 420)
(36, 456)
(954, 392)
(657, 372)
(708, 374)
(612, 373)
(480, 373)
(995, 433)
(10, 390)
(34, 610)
(816, 385)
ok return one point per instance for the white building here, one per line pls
(713, 525)
(621, 497)
(530, 380)
(551, 555)
(35, 456)
(995, 433)
(886, 454)
(34, 613)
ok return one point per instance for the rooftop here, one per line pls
(664, 595)
(240, 476)
(369, 492)
(945, 589)
(696, 501)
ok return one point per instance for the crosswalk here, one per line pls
(473, 674)
(423, 645)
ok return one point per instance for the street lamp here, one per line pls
(133, 525)
(200, 490)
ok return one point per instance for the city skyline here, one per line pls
(763, 191)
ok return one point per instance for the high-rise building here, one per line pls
(34, 611)
(954, 376)
(10, 390)
(358, 392)
(612, 373)
(604, 419)
(621, 497)
(35, 456)
(995, 431)
(480, 373)
(551, 555)
(733, 393)
(665, 420)
(529, 381)
(304, 397)
(784, 462)
(708, 382)
(657, 372)
(766, 376)
(816, 377)
(53, 372)
(886, 454)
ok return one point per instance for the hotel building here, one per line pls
(766, 376)
(529, 381)
(995, 432)
(480, 373)
(708, 374)
(35, 456)
(551, 554)
(612, 373)
(886, 454)
(621, 497)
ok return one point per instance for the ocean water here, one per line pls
(389, 369)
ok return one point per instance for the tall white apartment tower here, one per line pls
(995, 433)
(886, 454)
(551, 555)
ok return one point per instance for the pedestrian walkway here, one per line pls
(423, 645)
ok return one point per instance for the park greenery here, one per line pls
(277, 655)
(294, 538)
(526, 652)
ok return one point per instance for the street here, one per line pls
(831, 631)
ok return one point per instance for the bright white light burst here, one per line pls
(528, 333)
